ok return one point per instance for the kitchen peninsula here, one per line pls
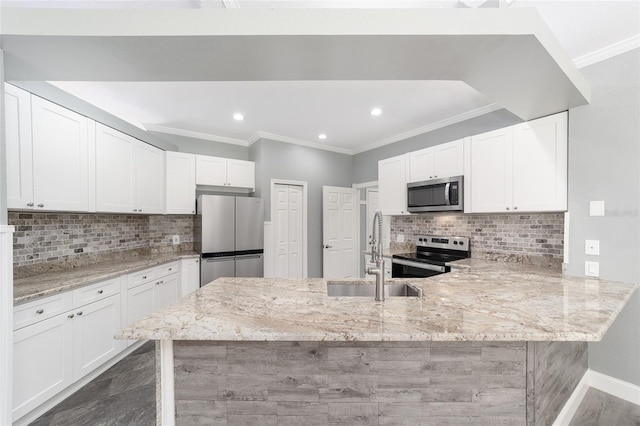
(490, 343)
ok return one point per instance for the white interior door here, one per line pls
(287, 230)
(340, 232)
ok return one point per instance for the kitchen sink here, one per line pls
(368, 289)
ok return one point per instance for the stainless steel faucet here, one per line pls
(376, 257)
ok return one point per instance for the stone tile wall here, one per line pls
(54, 237)
(518, 236)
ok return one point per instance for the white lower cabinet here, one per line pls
(189, 276)
(166, 291)
(94, 326)
(42, 362)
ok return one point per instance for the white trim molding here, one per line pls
(607, 52)
(592, 379)
(196, 135)
(295, 141)
(167, 390)
(6, 324)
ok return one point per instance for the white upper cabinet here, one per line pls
(540, 164)
(392, 185)
(17, 109)
(48, 155)
(115, 171)
(130, 174)
(522, 168)
(181, 183)
(150, 178)
(216, 171)
(440, 161)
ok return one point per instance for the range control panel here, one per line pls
(450, 243)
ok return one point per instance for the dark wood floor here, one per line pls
(600, 408)
(125, 395)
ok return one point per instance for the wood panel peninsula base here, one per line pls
(492, 343)
(370, 383)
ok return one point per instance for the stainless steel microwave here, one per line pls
(436, 195)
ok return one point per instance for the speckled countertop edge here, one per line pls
(35, 287)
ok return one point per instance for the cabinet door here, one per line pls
(17, 114)
(166, 291)
(540, 164)
(241, 173)
(140, 302)
(392, 185)
(150, 178)
(189, 276)
(491, 165)
(181, 183)
(211, 170)
(448, 159)
(420, 165)
(60, 157)
(93, 328)
(115, 171)
(42, 362)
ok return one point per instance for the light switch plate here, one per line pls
(596, 208)
(175, 240)
(400, 238)
(591, 269)
(592, 247)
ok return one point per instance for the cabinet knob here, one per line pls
(430, 177)
(135, 210)
(435, 176)
(79, 313)
(40, 311)
(100, 291)
(140, 210)
(144, 277)
(29, 204)
(171, 269)
(507, 208)
(197, 261)
(40, 205)
(70, 316)
(515, 207)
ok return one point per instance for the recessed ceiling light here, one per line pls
(322, 136)
(238, 117)
(376, 111)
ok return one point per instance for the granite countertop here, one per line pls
(30, 288)
(482, 301)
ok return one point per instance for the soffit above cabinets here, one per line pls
(508, 56)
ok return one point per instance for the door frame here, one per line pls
(272, 213)
(363, 205)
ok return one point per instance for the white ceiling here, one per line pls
(300, 110)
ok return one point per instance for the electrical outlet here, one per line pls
(175, 240)
(400, 238)
(591, 269)
(596, 208)
(592, 247)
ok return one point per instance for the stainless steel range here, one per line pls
(432, 253)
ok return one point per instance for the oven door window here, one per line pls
(404, 271)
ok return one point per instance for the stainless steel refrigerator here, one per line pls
(229, 235)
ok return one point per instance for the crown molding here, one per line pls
(192, 134)
(607, 52)
(430, 127)
(302, 142)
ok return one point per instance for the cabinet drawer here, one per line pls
(167, 269)
(41, 309)
(140, 277)
(95, 292)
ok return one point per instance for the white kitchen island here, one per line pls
(490, 343)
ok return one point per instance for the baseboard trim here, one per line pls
(616, 387)
(574, 401)
(592, 379)
(57, 399)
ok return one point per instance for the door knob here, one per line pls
(328, 246)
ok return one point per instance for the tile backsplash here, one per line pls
(54, 237)
(525, 238)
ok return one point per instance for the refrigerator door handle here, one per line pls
(218, 259)
(249, 256)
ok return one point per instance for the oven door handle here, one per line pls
(420, 265)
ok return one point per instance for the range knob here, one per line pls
(461, 243)
(456, 243)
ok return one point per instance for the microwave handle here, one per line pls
(447, 188)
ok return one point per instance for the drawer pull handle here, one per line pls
(70, 316)
(144, 277)
(29, 204)
(40, 311)
(79, 313)
(100, 291)
(40, 205)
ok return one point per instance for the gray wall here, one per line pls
(604, 164)
(63, 98)
(205, 147)
(279, 160)
(365, 164)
